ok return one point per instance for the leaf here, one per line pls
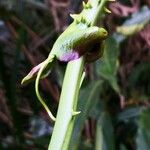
(131, 29)
(141, 17)
(139, 83)
(143, 136)
(104, 133)
(87, 99)
(129, 113)
(122, 147)
(140, 74)
(135, 23)
(108, 67)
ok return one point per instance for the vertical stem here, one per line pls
(69, 94)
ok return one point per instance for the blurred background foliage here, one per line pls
(115, 94)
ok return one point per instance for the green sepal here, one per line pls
(33, 73)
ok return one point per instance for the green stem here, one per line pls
(100, 10)
(69, 95)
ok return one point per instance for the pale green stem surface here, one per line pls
(70, 90)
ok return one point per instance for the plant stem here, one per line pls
(68, 100)
(69, 94)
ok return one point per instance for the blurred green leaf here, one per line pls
(87, 99)
(141, 17)
(129, 30)
(122, 147)
(135, 23)
(143, 136)
(108, 67)
(104, 133)
(129, 113)
(138, 78)
(41, 142)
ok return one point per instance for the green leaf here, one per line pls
(129, 30)
(143, 136)
(129, 113)
(141, 18)
(108, 66)
(143, 15)
(104, 133)
(122, 147)
(138, 78)
(87, 99)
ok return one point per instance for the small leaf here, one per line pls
(86, 102)
(143, 136)
(130, 30)
(108, 66)
(129, 113)
(141, 17)
(104, 133)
